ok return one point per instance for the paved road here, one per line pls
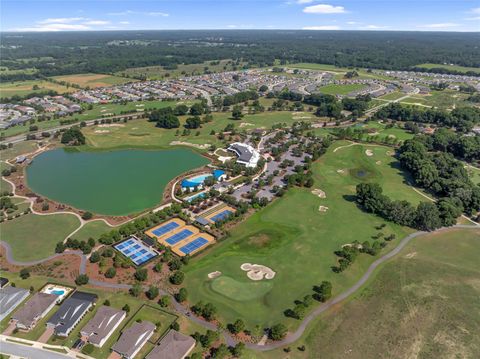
(292, 337)
(25, 351)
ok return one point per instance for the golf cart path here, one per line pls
(291, 337)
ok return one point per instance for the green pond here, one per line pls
(112, 183)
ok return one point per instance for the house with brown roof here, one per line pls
(34, 309)
(133, 339)
(102, 325)
(174, 345)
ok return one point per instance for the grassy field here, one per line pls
(382, 130)
(159, 72)
(18, 149)
(92, 230)
(22, 88)
(473, 173)
(340, 89)
(392, 96)
(97, 112)
(93, 80)
(299, 246)
(445, 99)
(340, 71)
(450, 67)
(141, 133)
(33, 237)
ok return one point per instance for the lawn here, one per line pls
(34, 237)
(141, 133)
(473, 173)
(298, 245)
(340, 89)
(395, 131)
(22, 88)
(93, 80)
(450, 67)
(92, 230)
(392, 96)
(445, 99)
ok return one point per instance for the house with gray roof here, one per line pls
(72, 310)
(102, 325)
(34, 309)
(133, 339)
(174, 345)
(246, 154)
(10, 298)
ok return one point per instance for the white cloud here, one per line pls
(304, 1)
(321, 27)
(475, 10)
(444, 25)
(352, 23)
(475, 18)
(131, 12)
(374, 27)
(61, 20)
(54, 27)
(124, 22)
(96, 22)
(324, 9)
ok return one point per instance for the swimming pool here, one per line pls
(60, 291)
(195, 181)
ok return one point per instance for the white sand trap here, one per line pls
(318, 192)
(374, 133)
(411, 255)
(245, 124)
(389, 153)
(134, 128)
(215, 274)
(257, 271)
(340, 171)
(378, 162)
(181, 143)
(111, 125)
(322, 208)
(301, 117)
(369, 153)
(102, 131)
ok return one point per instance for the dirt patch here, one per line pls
(259, 240)
(411, 255)
(246, 124)
(257, 271)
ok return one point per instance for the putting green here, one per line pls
(240, 291)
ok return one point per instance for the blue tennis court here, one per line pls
(160, 231)
(177, 237)
(194, 245)
(221, 216)
(135, 250)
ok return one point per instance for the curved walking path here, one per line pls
(292, 337)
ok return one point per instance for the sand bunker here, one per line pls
(322, 208)
(215, 274)
(245, 124)
(257, 271)
(318, 192)
(340, 171)
(411, 255)
(369, 153)
(378, 162)
(181, 143)
(111, 125)
(102, 131)
(389, 153)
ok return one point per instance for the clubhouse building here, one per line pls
(246, 154)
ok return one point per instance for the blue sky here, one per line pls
(74, 15)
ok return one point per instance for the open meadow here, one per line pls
(93, 80)
(33, 237)
(160, 72)
(22, 88)
(292, 243)
(450, 67)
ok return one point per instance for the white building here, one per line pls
(246, 154)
